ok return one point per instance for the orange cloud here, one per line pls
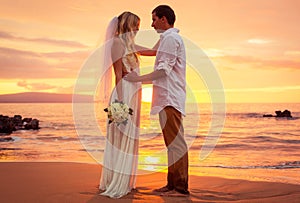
(259, 63)
(35, 86)
(65, 43)
(28, 64)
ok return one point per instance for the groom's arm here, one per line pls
(147, 78)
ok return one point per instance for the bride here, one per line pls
(121, 149)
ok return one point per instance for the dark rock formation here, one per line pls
(31, 124)
(267, 115)
(285, 113)
(6, 125)
(10, 124)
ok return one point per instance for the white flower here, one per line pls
(118, 112)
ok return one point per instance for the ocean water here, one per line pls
(249, 146)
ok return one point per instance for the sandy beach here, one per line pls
(78, 182)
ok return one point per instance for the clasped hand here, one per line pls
(132, 77)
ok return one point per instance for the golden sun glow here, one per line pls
(152, 160)
(150, 163)
(147, 94)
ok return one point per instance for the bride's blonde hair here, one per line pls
(127, 23)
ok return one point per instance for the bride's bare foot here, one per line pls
(134, 190)
(100, 190)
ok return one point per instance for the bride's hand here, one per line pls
(132, 77)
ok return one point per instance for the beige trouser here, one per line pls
(171, 123)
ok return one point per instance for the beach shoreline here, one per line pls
(78, 182)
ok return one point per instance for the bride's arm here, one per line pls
(118, 67)
(144, 51)
(117, 52)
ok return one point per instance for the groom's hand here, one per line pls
(132, 77)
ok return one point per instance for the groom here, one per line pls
(169, 96)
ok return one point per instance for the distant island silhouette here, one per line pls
(40, 97)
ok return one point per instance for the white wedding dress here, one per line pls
(121, 150)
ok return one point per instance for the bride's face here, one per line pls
(136, 28)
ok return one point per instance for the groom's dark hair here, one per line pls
(167, 11)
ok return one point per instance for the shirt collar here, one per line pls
(170, 30)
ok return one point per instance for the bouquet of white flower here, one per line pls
(118, 112)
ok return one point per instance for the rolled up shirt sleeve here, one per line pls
(167, 55)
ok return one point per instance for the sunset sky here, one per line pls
(254, 44)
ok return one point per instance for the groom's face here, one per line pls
(157, 23)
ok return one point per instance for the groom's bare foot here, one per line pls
(163, 189)
(174, 193)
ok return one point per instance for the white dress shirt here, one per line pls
(170, 57)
